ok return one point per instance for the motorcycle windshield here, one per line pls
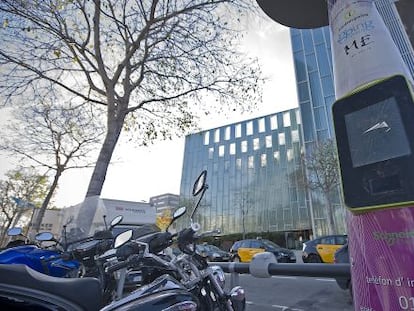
(84, 220)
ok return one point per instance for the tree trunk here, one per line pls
(39, 217)
(331, 221)
(88, 209)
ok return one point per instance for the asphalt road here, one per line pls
(294, 294)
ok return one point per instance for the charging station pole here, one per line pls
(375, 139)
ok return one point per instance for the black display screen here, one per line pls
(376, 133)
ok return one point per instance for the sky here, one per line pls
(138, 173)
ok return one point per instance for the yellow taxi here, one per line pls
(244, 250)
(322, 249)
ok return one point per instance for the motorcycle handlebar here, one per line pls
(123, 264)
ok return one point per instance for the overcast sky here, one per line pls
(136, 174)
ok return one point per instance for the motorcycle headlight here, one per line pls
(183, 306)
(219, 275)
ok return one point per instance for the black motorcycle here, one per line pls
(190, 268)
(186, 285)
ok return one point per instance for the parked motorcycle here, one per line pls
(186, 283)
(190, 269)
(50, 261)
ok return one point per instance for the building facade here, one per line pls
(254, 175)
(166, 202)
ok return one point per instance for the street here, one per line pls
(294, 294)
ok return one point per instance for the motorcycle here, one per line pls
(185, 283)
(52, 262)
(191, 269)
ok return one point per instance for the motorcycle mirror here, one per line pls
(177, 214)
(116, 221)
(44, 236)
(122, 238)
(200, 183)
(14, 231)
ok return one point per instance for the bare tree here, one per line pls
(323, 175)
(56, 138)
(21, 191)
(150, 63)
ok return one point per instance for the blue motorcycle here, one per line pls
(53, 262)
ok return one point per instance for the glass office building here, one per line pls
(398, 15)
(254, 175)
(315, 89)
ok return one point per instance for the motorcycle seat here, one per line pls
(84, 292)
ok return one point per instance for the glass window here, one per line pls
(323, 62)
(299, 60)
(303, 91)
(289, 154)
(341, 240)
(273, 122)
(262, 127)
(210, 152)
(318, 35)
(296, 42)
(298, 118)
(232, 148)
(307, 42)
(255, 244)
(206, 138)
(295, 136)
(249, 128)
(286, 119)
(256, 144)
(244, 146)
(316, 90)
(238, 130)
(227, 133)
(311, 62)
(269, 141)
(328, 87)
(320, 118)
(250, 163)
(328, 240)
(308, 129)
(263, 160)
(238, 163)
(221, 151)
(276, 155)
(282, 140)
(217, 135)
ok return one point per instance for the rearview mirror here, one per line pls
(117, 220)
(179, 212)
(122, 238)
(44, 236)
(200, 183)
(14, 231)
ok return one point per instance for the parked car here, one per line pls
(212, 252)
(244, 250)
(322, 249)
(342, 256)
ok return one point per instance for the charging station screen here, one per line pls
(376, 133)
